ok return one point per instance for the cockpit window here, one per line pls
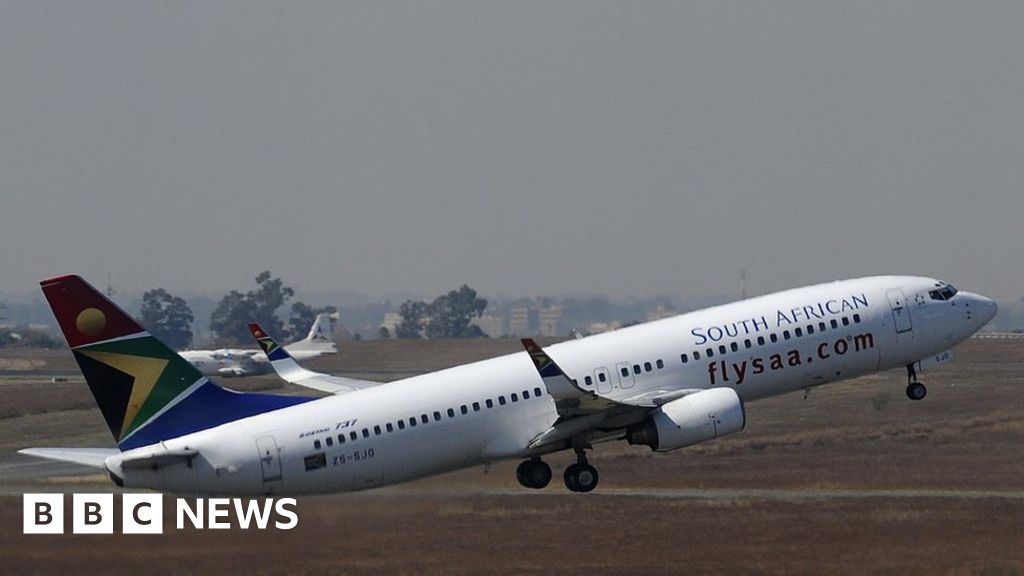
(943, 292)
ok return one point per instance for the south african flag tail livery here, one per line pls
(146, 391)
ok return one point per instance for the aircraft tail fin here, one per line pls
(320, 337)
(146, 391)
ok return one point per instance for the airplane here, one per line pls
(665, 384)
(232, 362)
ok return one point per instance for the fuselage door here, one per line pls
(900, 311)
(270, 458)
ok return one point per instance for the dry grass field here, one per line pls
(854, 479)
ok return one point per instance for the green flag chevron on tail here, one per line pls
(145, 390)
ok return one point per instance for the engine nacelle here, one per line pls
(700, 416)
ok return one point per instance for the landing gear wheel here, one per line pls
(581, 477)
(533, 473)
(916, 391)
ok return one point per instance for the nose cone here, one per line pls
(988, 309)
(984, 309)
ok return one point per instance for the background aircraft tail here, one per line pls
(320, 337)
(146, 391)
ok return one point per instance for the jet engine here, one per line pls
(694, 418)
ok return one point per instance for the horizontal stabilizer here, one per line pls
(154, 460)
(85, 456)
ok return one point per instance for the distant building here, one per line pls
(522, 321)
(660, 312)
(547, 320)
(493, 326)
(598, 327)
(391, 322)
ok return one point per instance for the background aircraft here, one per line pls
(665, 384)
(228, 362)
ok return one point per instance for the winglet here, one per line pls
(289, 370)
(570, 399)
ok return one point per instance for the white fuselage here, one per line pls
(491, 410)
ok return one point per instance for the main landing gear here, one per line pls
(579, 477)
(915, 390)
(533, 473)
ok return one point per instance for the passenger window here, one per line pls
(798, 331)
(683, 358)
(451, 413)
(856, 318)
(821, 327)
(424, 418)
(353, 436)
(476, 406)
(401, 424)
(709, 353)
(810, 329)
(536, 391)
(846, 321)
(834, 323)
(760, 340)
(316, 444)
(734, 346)
(648, 367)
(773, 337)
(464, 409)
(636, 368)
(748, 344)
(696, 355)
(515, 397)
(785, 334)
(490, 403)
(721, 349)
(389, 427)
(330, 441)
(341, 438)
(660, 364)
(376, 429)
(526, 394)
(588, 381)
(366, 432)
(501, 400)
(625, 372)
(412, 422)
(600, 376)
(437, 416)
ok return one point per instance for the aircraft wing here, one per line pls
(85, 456)
(579, 409)
(290, 371)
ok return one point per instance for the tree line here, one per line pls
(170, 318)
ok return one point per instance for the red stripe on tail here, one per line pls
(85, 315)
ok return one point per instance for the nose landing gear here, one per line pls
(915, 390)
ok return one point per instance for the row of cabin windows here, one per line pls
(412, 422)
(637, 369)
(773, 337)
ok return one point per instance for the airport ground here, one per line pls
(853, 479)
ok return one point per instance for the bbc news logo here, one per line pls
(144, 514)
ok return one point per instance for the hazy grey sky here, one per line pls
(626, 148)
